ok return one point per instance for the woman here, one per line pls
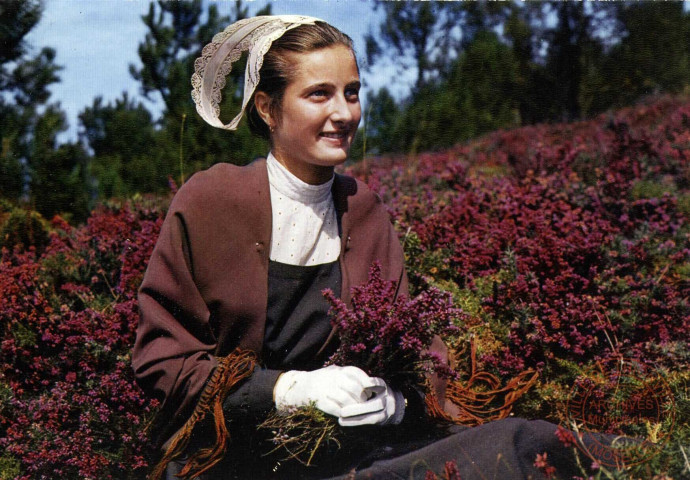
(232, 317)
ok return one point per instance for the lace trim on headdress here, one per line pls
(251, 34)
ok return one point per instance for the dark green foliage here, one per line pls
(24, 227)
(428, 32)
(653, 55)
(60, 183)
(58, 173)
(11, 171)
(378, 123)
(408, 27)
(564, 59)
(31, 78)
(132, 153)
(5, 207)
(479, 66)
(23, 87)
(31, 161)
(18, 17)
(488, 65)
(559, 61)
(469, 81)
(485, 78)
(126, 152)
(174, 31)
(9, 467)
(479, 95)
(175, 39)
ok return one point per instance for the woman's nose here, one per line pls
(343, 111)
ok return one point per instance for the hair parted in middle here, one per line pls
(278, 69)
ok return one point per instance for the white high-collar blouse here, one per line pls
(305, 228)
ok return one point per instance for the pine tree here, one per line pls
(55, 177)
(175, 38)
(24, 82)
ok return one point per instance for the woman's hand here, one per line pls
(331, 388)
(384, 407)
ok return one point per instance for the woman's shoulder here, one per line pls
(221, 183)
(358, 202)
(221, 175)
(354, 191)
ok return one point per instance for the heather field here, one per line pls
(566, 247)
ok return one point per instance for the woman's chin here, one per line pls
(334, 156)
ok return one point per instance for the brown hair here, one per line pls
(278, 70)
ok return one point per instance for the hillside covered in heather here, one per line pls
(566, 246)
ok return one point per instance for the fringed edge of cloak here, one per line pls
(475, 406)
(230, 370)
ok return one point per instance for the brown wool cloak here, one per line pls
(205, 289)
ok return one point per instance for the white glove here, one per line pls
(384, 407)
(331, 388)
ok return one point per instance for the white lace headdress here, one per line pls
(255, 35)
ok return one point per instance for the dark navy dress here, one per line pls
(297, 326)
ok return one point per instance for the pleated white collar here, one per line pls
(304, 224)
(292, 187)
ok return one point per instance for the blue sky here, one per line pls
(96, 40)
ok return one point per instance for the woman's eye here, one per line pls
(352, 94)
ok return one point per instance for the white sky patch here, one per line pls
(95, 42)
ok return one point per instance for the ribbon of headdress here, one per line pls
(254, 35)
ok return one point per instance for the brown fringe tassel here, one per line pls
(475, 397)
(230, 370)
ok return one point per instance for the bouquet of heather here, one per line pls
(386, 335)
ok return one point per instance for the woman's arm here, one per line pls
(254, 397)
(172, 356)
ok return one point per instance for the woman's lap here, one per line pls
(504, 449)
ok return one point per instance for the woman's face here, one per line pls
(319, 115)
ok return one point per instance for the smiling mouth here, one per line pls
(335, 135)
